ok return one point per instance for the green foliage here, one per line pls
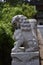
(5, 47)
(28, 10)
(15, 2)
(7, 11)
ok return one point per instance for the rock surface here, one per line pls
(25, 58)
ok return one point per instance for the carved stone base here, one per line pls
(25, 58)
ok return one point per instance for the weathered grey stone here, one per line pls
(33, 62)
(25, 52)
(26, 34)
(25, 58)
(20, 49)
(25, 55)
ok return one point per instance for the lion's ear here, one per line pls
(17, 18)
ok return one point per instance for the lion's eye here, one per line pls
(15, 24)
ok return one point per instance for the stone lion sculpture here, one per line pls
(25, 33)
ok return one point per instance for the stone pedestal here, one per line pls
(25, 58)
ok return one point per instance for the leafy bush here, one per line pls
(5, 47)
(28, 10)
(6, 31)
(15, 2)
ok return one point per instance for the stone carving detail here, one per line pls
(26, 43)
(25, 33)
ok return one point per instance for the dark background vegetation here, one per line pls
(7, 11)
